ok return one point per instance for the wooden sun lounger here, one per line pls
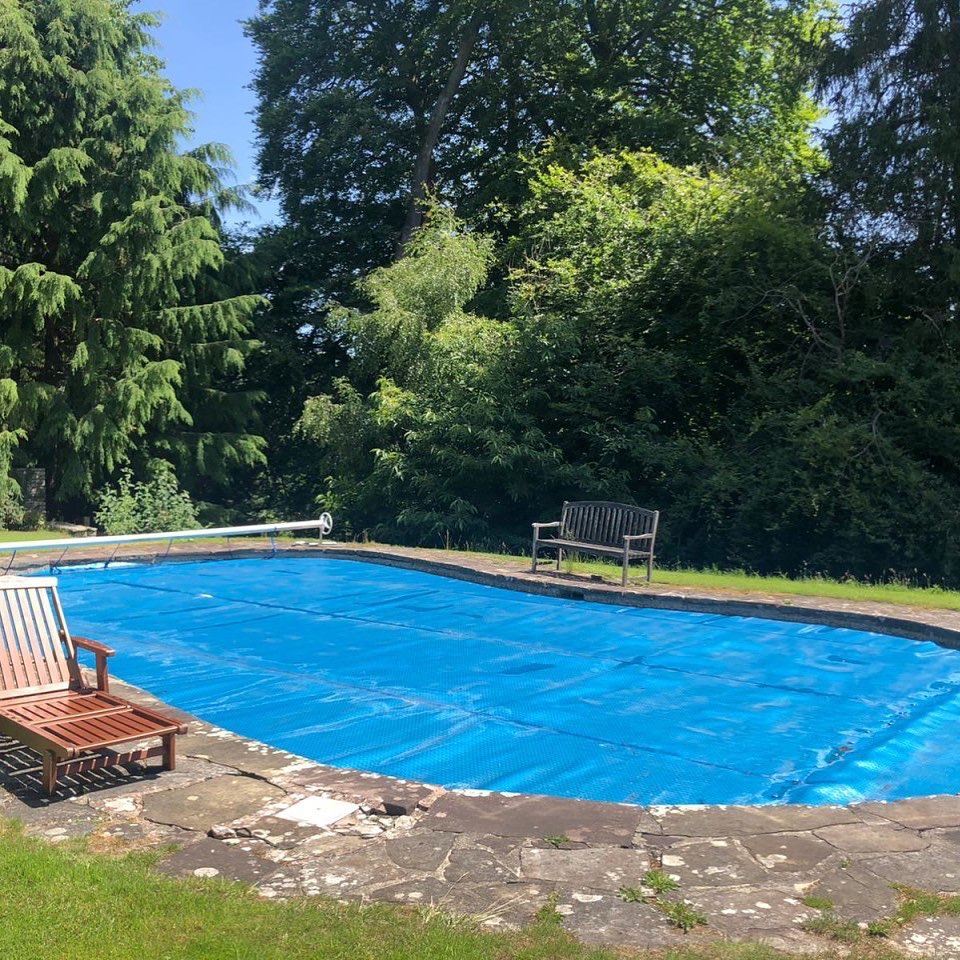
(44, 702)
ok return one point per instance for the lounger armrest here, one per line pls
(94, 646)
(537, 527)
(101, 651)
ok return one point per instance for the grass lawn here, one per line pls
(65, 902)
(13, 536)
(741, 582)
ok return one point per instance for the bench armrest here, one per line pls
(637, 536)
(537, 527)
(101, 651)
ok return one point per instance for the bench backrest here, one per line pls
(605, 522)
(36, 652)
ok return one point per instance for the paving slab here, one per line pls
(936, 868)
(423, 851)
(608, 920)
(494, 906)
(200, 806)
(721, 863)
(390, 796)
(720, 821)
(936, 937)
(856, 894)
(229, 749)
(872, 838)
(213, 858)
(535, 817)
(789, 852)
(768, 914)
(920, 813)
(597, 868)
(483, 859)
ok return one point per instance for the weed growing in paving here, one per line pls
(631, 894)
(682, 915)
(557, 841)
(832, 927)
(817, 903)
(659, 882)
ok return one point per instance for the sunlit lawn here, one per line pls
(740, 581)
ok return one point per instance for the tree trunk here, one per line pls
(424, 162)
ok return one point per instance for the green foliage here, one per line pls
(122, 341)
(631, 895)
(816, 902)
(682, 915)
(659, 882)
(146, 506)
(836, 928)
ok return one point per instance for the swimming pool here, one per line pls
(405, 673)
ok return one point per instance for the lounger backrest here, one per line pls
(36, 652)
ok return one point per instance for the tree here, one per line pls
(366, 109)
(121, 342)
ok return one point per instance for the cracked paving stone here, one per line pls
(721, 863)
(230, 750)
(872, 838)
(340, 871)
(746, 821)
(423, 850)
(769, 915)
(937, 937)
(936, 868)
(857, 894)
(200, 806)
(788, 852)
(495, 905)
(483, 859)
(607, 868)
(610, 921)
(394, 797)
(211, 858)
(920, 813)
(535, 818)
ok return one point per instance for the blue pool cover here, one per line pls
(366, 666)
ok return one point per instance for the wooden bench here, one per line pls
(603, 528)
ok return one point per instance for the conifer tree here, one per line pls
(119, 342)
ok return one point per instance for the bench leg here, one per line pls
(650, 567)
(559, 558)
(170, 752)
(626, 568)
(49, 774)
(533, 560)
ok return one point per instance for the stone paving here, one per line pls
(289, 827)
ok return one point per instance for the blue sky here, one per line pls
(204, 47)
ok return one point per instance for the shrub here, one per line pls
(146, 506)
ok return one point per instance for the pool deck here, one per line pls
(501, 857)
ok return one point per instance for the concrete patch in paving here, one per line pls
(608, 868)
(317, 811)
(872, 838)
(535, 817)
(788, 852)
(212, 858)
(200, 806)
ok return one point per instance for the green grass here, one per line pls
(12, 536)
(906, 594)
(65, 902)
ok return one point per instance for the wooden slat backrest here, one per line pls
(604, 522)
(36, 652)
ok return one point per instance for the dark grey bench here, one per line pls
(603, 528)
